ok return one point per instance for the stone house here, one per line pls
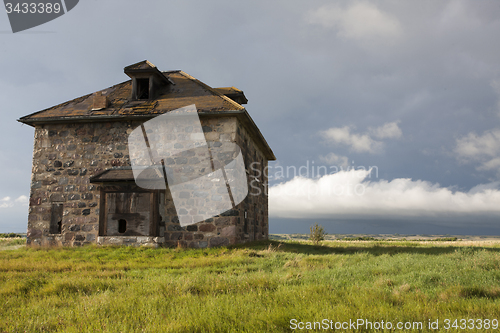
(83, 189)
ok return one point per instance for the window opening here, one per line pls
(142, 88)
(56, 219)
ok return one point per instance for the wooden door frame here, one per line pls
(128, 188)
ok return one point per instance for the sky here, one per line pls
(384, 116)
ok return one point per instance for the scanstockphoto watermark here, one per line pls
(462, 324)
(312, 170)
(171, 151)
(363, 324)
(308, 183)
(28, 14)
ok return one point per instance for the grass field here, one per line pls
(255, 288)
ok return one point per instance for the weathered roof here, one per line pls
(186, 90)
(180, 89)
(140, 65)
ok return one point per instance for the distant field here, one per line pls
(255, 288)
(12, 243)
(388, 237)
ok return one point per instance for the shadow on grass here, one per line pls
(369, 247)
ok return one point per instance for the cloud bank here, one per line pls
(350, 194)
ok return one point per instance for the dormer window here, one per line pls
(143, 88)
(147, 80)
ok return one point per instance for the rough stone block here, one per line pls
(192, 227)
(228, 231)
(74, 197)
(205, 227)
(57, 197)
(87, 196)
(218, 241)
(74, 228)
(34, 233)
(176, 236)
(35, 201)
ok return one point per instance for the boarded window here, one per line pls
(56, 219)
(130, 214)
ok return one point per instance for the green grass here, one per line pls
(254, 288)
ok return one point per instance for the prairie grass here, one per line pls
(253, 288)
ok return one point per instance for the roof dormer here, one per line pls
(235, 94)
(147, 80)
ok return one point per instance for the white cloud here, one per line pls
(7, 202)
(387, 131)
(22, 200)
(360, 21)
(343, 135)
(352, 194)
(484, 149)
(483, 187)
(333, 159)
(362, 142)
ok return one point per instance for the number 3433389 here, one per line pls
(33, 8)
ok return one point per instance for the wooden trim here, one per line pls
(102, 213)
(153, 208)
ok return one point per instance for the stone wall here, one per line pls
(226, 228)
(65, 156)
(256, 204)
